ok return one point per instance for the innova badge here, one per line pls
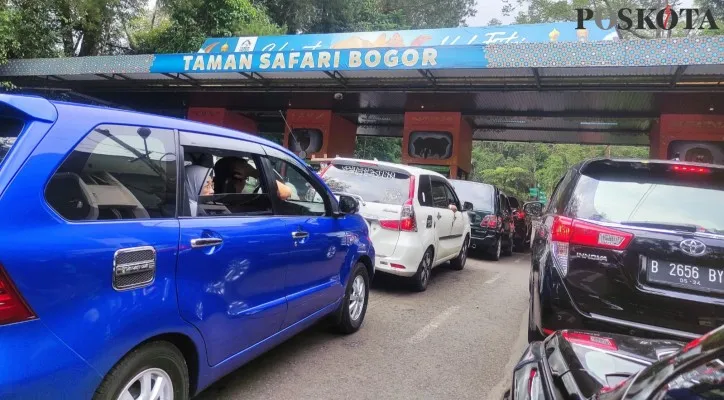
(693, 247)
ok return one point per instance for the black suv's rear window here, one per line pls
(481, 195)
(651, 194)
(10, 128)
(374, 183)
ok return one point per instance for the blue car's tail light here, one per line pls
(12, 306)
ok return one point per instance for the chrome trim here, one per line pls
(644, 327)
(116, 265)
(657, 230)
(618, 355)
(206, 242)
(300, 235)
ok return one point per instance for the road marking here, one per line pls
(493, 279)
(425, 331)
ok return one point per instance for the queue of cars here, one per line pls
(173, 252)
(627, 247)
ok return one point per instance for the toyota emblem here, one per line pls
(693, 247)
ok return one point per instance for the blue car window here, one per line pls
(117, 172)
(231, 184)
(296, 190)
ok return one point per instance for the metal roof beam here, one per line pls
(677, 75)
(427, 74)
(177, 77)
(536, 74)
(256, 78)
(338, 77)
(546, 129)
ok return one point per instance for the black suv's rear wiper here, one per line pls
(663, 225)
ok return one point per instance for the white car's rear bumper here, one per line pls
(406, 259)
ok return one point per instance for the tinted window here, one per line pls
(296, 190)
(513, 202)
(558, 200)
(440, 195)
(374, 184)
(651, 195)
(9, 130)
(424, 193)
(117, 172)
(234, 186)
(481, 195)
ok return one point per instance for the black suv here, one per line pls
(491, 222)
(629, 246)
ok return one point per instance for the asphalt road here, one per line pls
(458, 340)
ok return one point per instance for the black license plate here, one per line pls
(685, 276)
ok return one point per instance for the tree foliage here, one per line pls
(317, 16)
(381, 148)
(515, 167)
(180, 26)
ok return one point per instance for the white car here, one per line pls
(412, 224)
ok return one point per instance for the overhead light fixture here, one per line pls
(599, 123)
(711, 108)
(518, 121)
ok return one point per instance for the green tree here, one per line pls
(381, 148)
(324, 16)
(181, 26)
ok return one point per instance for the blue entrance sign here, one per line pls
(463, 36)
(323, 60)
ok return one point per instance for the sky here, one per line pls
(487, 10)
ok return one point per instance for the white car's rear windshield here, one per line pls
(10, 128)
(374, 184)
(653, 195)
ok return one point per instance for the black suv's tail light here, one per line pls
(566, 231)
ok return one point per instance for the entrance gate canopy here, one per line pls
(547, 82)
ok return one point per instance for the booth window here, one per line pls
(697, 151)
(117, 172)
(306, 140)
(430, 145)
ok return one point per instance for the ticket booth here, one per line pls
(223, 117)
(689, 137)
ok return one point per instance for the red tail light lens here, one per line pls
(12, 306)
(567, 231)
(587, 234)
(490, 221)
(592, 235)
(598, 342)
(521, 215)
(691, 169)
(407, 221)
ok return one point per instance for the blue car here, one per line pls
(145, 257)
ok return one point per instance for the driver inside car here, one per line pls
(232, 174)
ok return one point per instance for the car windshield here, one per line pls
(9, 130)
(653, 198)
(375, 184)
(479, 194)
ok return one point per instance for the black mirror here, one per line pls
(348, 204)
(467, 206)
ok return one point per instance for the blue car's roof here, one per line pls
(39, 108)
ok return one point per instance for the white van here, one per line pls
(416, 220)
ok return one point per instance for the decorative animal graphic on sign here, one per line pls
(434, 145)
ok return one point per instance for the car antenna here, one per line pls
(291, 131)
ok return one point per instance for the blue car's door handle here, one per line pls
(300, 235)
(205, 242)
